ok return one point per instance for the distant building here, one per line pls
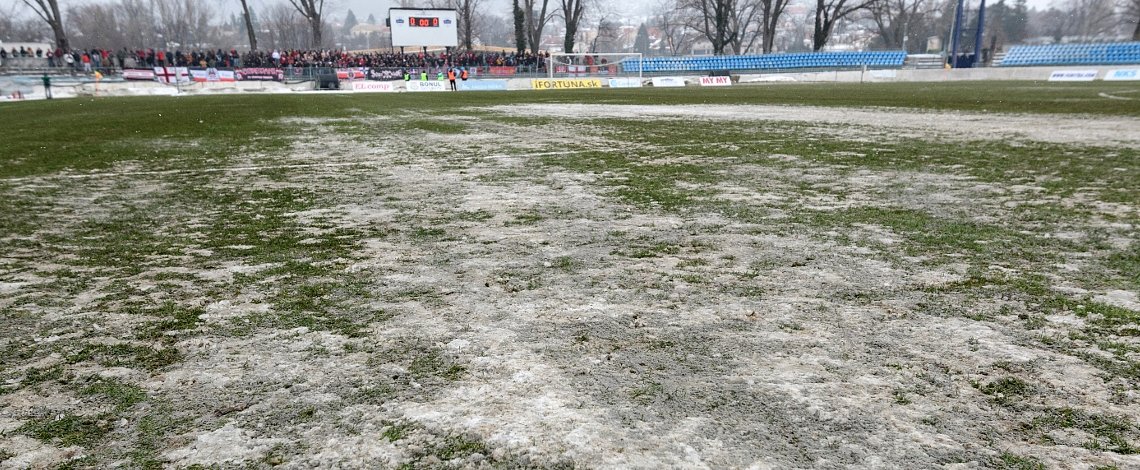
(364, 29)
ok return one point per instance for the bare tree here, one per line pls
(828, 13)
(249, 25)
(771, 11)
(48, 10)
(184, 22)
(746, 21)
(1092, 19)
(467, 14)
(286, 30)
(608, 36)
(15, 29)
(572, 11)
(1080, 19)
(673, 21)
(94, 25)
(716, 19)
(898, 19)
(495, 30)
(469, 21)
(536, 16)
(1131, 10)
(137, 22)
(313, 12)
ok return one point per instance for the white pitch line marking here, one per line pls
(1114, 97)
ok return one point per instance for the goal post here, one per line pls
(584, 64)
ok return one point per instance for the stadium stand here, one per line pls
(876, 59)
(1073, 54)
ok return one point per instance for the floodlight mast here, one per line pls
(956, 31)
(978, 35)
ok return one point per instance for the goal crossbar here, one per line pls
(592, 64)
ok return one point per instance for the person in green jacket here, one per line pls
(47, 86)
(423, 76)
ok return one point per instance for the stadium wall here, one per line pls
(32, 89)
(925, 75)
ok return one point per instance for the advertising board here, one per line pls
(565, 83)
(1073, 76)
(668, 82)
(482, 85)
(716, 81)
(625, 83)
(416, 85)
(361, 86)
(1120, 75)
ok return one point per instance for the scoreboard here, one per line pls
(423, 27)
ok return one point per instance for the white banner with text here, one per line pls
(716, 81)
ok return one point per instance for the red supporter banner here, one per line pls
(172, 75)
(211, 75)
(263, 74)
(501, 71)
(138, 74)
(351, 74)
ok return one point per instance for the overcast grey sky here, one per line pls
(335, 8)
(362, 8)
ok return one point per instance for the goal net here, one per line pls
(627, 64)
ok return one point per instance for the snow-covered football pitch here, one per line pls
(639, 279)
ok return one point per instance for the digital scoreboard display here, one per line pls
(424, 27)
(423, 22)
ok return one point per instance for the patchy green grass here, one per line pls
(126, 354)
(1008, 461)
(436, 126)
(1109, 433)
(172, 243)
(1007, 391)
(69, 430)
(121, 395)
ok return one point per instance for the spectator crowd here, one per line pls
(87, 60)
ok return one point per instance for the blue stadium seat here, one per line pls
(1073, 54)
(877, 59)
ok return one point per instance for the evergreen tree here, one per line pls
(641, 43)
(350, 22)
(520, 29)
(1017, 22)
(371, 19)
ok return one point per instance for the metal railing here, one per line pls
(42, 67)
